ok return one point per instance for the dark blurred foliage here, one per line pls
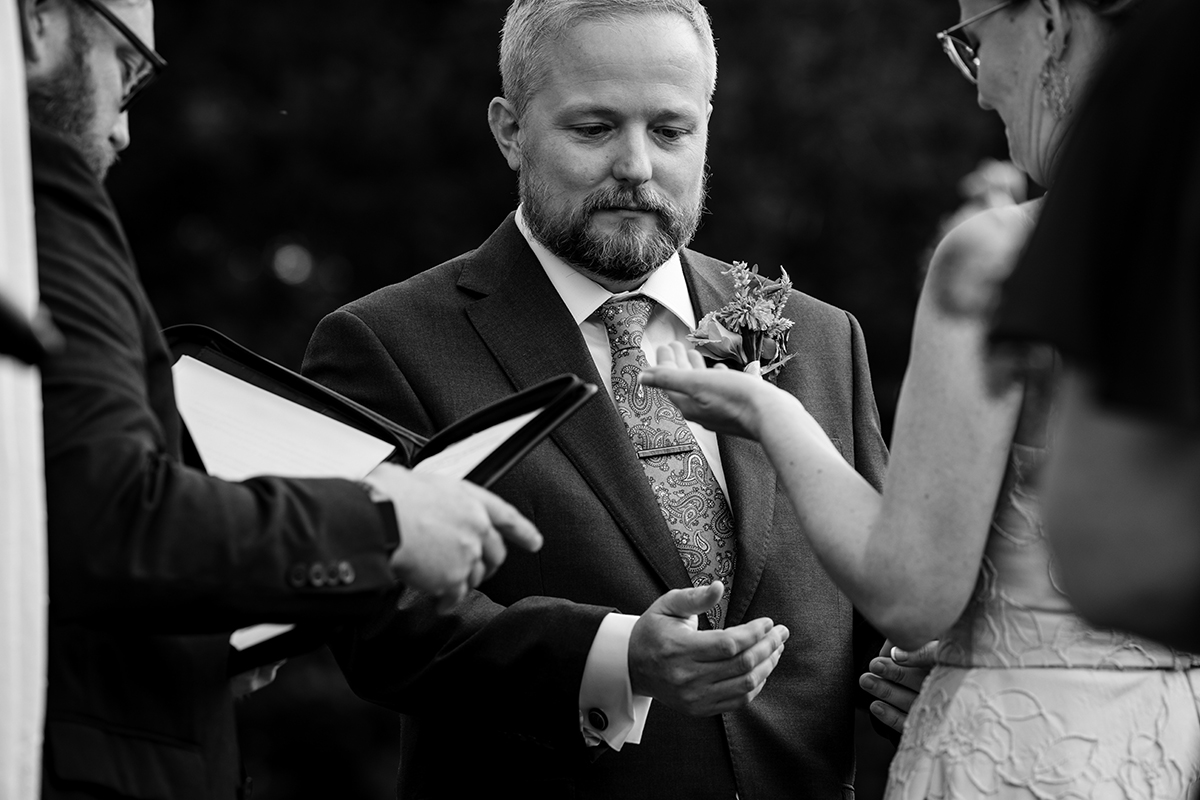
(299, 153)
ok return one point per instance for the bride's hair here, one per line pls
(1116, 12)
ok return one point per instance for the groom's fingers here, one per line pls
(732, 694)
(722, 645)
(695, 359)
(749, 661)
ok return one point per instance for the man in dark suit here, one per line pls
(153, 564)
(605, 119)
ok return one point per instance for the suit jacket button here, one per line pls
(597, 719)
(298, 576)
(345, 572)
(316, 575)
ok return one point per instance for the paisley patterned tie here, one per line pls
(682, 481)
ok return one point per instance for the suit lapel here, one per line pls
(524, 323)
(748, 472)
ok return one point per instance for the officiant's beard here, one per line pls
(65, 101)
(626, 255)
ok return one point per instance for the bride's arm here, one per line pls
(908, 559)
(950, 442)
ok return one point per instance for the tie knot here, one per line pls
(626, 318)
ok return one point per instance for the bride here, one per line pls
(1026, 699)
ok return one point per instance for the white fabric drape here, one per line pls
(22, 490)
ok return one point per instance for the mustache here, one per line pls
(637, 198)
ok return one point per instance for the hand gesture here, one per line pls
(701, 673)
(451, 532)
(720, 399)
(895, 679)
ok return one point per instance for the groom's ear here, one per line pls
(506, 129)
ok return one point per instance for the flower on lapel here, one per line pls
(751, 327)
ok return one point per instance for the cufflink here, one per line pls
(597, 719)
(297, 576)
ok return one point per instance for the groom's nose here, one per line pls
(631, 164)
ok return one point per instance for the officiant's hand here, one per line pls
(895, 679)
(452, 533)
(701, 673)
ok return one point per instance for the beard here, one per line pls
(626, 255)
(65, 102)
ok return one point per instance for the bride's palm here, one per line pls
(719, 399)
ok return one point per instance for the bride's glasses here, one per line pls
(961, 54)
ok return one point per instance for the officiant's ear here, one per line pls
(506, 128)
(44, 31)
(1055, 27)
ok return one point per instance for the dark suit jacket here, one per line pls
(152, 564)
(491, 691)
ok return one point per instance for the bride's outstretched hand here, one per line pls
(719, 399)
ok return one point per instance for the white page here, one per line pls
(248, 637)
(242, 431)
(457, 460)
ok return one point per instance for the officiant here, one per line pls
(152, 563)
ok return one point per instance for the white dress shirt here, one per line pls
(605, 684)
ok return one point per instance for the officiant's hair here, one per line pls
(530, 26)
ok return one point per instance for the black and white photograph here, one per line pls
(599, 400)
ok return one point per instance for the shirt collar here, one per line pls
(582, 295)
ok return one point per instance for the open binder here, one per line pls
(245, 415)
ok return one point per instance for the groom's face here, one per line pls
(613, 146)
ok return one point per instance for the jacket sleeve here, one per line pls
(516, 667)
(136, 539)
(870, 459)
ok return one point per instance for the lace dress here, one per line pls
(1029, 701)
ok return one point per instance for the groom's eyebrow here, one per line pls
(587, 109)
(608, 112)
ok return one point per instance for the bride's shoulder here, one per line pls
(972, 261)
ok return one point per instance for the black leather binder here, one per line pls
(550, 403)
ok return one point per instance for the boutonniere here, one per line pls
(751, 328)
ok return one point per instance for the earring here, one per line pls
(1056, 87)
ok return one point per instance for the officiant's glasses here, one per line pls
(152, 63)
(961, 54)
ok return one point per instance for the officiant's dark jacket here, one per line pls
(152, 564)
(490, 691)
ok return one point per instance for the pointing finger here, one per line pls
(511, 524)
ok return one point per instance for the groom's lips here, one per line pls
(627, 210)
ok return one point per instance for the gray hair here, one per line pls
(1116, 12)
(531, 26)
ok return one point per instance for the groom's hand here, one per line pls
(701, 673)
(452, 533)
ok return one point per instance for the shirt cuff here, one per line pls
(609, 712)
(387, 513)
